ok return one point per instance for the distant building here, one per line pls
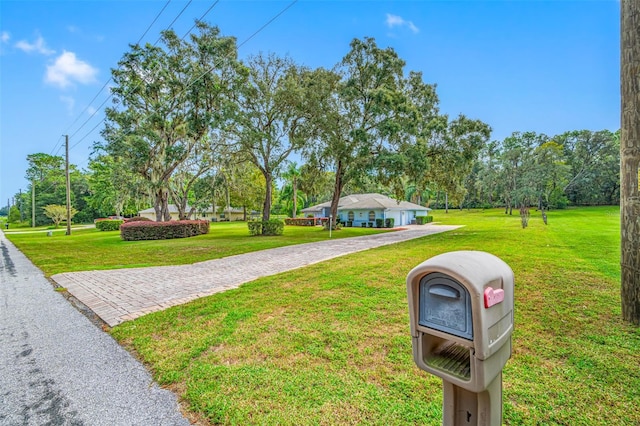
(356, 209)
(214, 215)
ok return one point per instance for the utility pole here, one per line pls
(20, 205)
(33, 203)
(66, 172)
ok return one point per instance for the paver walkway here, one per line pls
(124, 294)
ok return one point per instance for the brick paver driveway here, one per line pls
(124, 294)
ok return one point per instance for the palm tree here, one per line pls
(291, 176)
(630, 159)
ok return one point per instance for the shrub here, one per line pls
(109, 224)
(272, 227)
(421, 220)
(255, 227)
(388, 223)
(150, 230)
(266, 227)
(336, 227)
(379, 222)
(138, 219)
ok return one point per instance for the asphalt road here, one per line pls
(57, 368)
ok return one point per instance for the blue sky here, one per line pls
(544, 66)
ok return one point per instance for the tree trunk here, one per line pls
(630, 160)
(182, 209)
(266, 208)
(165, 206)
(446, 202)
(295, 199)
(192, 210)
(161, 205)
(228, 203)
(337, 191)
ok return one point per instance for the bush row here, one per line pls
(149, 230)
(306, 221)
(266, 227)
(421, 220)
(379, 223)
(109, 224)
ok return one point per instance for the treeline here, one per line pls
(192, 125)
(528, 169)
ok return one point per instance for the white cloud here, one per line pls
(69, 102)
(68, 69)
(38, 46)
(397, 21)
(5, 37)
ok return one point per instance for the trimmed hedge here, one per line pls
(150, 230)
(266, 227)
(109, 224)
(388, 222)
(421, 220)
(298, 221)
(306, 221)
(379, 222)
(138, 219)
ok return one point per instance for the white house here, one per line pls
(229, 214)
(359, 209)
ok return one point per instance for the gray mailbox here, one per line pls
(461, 317)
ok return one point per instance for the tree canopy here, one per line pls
(194, 126)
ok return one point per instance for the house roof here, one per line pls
(174, 209)
(368, 202)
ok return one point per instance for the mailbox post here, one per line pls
(461, 317)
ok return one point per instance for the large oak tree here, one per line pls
(167, 99)
(267, 123)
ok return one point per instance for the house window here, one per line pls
(372, 216)
(350, 216)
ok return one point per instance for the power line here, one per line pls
(154, 21)
(55, 146)
(191, 83)
(174, 20)
(86, 135)
(200, 19)
(267, 24)
(108, 81)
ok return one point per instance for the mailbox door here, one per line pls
(445, 305)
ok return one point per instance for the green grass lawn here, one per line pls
(90, 249)
(329, 344)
